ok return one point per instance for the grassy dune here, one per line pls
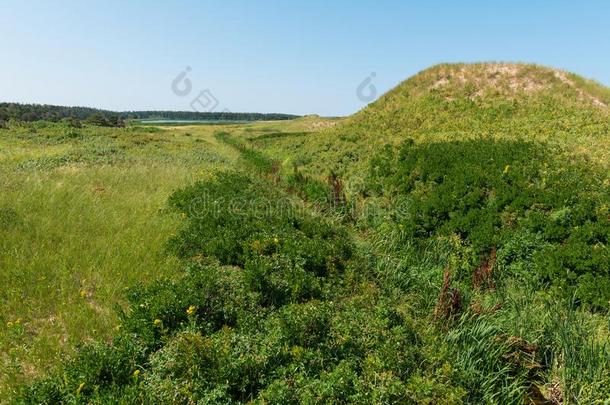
(458, 102)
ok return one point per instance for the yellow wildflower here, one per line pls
(296, 351)
(276, 240)
(136, 373)
(256, 246)
(83, 293)
(157, 322)
(191, 310)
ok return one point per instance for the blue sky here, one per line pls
(276, 56)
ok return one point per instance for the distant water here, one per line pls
(192, 121)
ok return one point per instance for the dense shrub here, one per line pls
(271, 308)
(493, 194)
(276, 305)
(236, 219)
(219, 332)
(307, 188)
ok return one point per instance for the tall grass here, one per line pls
(74, 233)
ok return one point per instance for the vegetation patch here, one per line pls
(276, 135)
(294, 298)
(467, 265)
(548, 219)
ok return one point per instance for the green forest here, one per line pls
(75, 115)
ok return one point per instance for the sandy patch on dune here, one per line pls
(505, 79)
(321, 125)
(564, 79)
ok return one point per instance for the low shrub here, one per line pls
(492, 194)
(236, 219)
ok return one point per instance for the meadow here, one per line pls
(82, 216)
(448, 244)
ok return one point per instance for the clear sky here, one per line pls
(276, 56)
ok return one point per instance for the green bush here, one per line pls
(237, 219)
(276, 304)
(492, 193)
(238, 320)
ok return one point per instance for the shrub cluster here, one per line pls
(273, 307)
(549, 219)
(278, 304)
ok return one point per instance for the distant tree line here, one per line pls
(75, 115)
(207, 116)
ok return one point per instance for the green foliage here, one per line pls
(73, 122)
(237, 220)
(293, 319)
(9, 218)
(110, 186)
(276, 135)
(281, 301)
(326, 196)
(217, 297)
(254, 158)
(495, 367)
(492, 194)
(106, 120)
(308, 188)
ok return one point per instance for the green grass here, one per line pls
(459, 102)
(76, 231)
(448, 244)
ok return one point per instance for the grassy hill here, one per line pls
(510, 162)
(459, 101)
(447, 244)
